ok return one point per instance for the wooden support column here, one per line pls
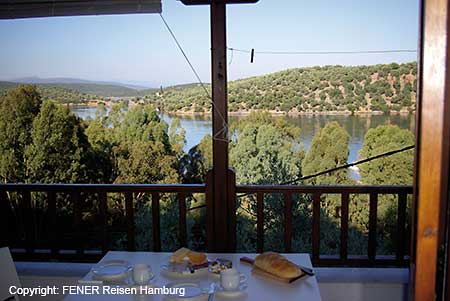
(220, 130)
(221, 182)
(429, 264)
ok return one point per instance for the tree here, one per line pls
(396, 169)
(393, 170)
(17, 111)
(60, 151)
(265, 150)
(329, 149)
(177, 137)
(195, 164)
(147, 162)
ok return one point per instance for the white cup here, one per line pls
(142, 273)
(231, 279)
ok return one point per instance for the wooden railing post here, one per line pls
(28, 221)
(288, 222)
(102, 196)
(344, 226)
(76, 201)
(401, 227)
(129, 212)
(209, 199)
(231, 211)
(182, 227)
(316, 227)
(52, 223)
(373, 206)
(156, 223)
(260, 222)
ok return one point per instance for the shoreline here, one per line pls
(271, 112)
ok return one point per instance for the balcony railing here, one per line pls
(76, 193)
(343, 259)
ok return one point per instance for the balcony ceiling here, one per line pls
(14, 9)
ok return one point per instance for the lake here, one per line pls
(198, 126)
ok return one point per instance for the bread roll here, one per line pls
(277, 265)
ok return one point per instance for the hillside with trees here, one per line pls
(43, 142)
(382, 88)
(52, 92)
(78, 92)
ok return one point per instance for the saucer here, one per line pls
(192, 291)
(238, 292)
(111, 271)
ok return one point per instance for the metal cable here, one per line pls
(326, 52)
(225, 125)
(390, 153)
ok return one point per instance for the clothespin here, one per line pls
(252, 56)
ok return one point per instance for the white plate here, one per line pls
(193, 291)
(112, 271)
(239, 292)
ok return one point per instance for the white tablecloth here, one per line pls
(259, 288)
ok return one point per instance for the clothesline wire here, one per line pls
(324, 52)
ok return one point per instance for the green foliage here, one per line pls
(60, 151)
(17, 111)
(177, 136)
(266, 150)
(299, 89)
(329, 149)
(44, 142)
(392, 170)
(396, 169)
(79, 92)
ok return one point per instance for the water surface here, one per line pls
(357, 126)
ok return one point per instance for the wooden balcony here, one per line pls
(25, 248)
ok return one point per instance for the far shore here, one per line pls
(246, 113)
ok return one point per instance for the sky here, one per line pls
(138, 49)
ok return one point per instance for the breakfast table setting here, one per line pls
(191, 276)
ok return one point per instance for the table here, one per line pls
(259, 288)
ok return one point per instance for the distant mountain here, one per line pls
(69, 80)
(47, 91)
(93, 88)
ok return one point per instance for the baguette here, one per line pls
(277, 265)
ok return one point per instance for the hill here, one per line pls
(79, 92)
(97, 89)
(384, 88)
(56, 93)
(70, 80)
